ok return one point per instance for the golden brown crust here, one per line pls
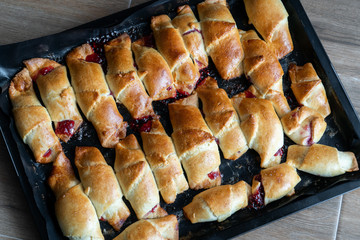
(123, 80)
(261, 127)
(164, 163)
(308, 88)
(221, 37)
(277, 181)
(190, 30)
(56, 93)
(304, 125)
(153, 71)
(321, 160)
(194, 144)
(71, 200)
(263, 69)
(93, 96)
(270, 19)
(172, 47)
(136, 180)
(218, 203)
(100, 184)
(164, 228)
(32, 120)
(222, 119)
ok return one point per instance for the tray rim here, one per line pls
(267, 217)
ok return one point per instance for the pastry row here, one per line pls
(99, 194)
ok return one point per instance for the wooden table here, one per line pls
(336, 23)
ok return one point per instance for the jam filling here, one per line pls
(249, 94)
(102, 219)
(280, 152)
(47, 154)
(213, 175)
(149, 41)
(141, 124)
(94, 58)
(290, 97)
(191, 31)
(257, 199)
(310, 140)
(204, 73)
(44, 71)
(65, 127)
(217, 141)
(151, 211)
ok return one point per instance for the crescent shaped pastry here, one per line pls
(190, 30)
(270, 19)
(93, 96)
(222, 119)
(123, 80)
(71, 201)
(101, 186)
(194, 143)
(221, 38)
(32, 120)
(304, 125)
(164, 163)
(136, 180)
(321, 160)
(308, 88)
(164, 228)
(56, 94)
(261, 127)
(218, 203)
(172, 47)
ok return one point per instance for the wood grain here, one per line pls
(336, 23)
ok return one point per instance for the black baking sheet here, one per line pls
(343, 129)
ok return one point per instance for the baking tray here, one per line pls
(343, 129)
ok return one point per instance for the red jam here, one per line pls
(169, 88)
(214, 175)
(256, 200)
(217, 141)
(65, 127)
(102, 219)
(47, 154)
(94, 58)
(149, 41)
(310, 140)
(141, 124)
(204, 73)
(191, 31)
(280, 152)
(151, 211)
(249, 94)
(46, 70)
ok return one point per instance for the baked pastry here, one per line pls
(218, 203)
(221, 38)
(153, 71)
(194, 143)
(321, 160)
(304, 125)
(163, 161)
(123, 80)
(190, 30)
(222, 119)
(71, 201)
(149, 229)
(56, 94)
(261, 127)
(136, 180)
(270, 19)
(272, 184)
(93, 96)
(264, 71)
(32, 120)
(100, 184)
(172, 47)
(308, 88)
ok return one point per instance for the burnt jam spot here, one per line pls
(65, 127)
(213, 175)
(141, 124)
(204, 73)
(47, 154)
(257, 199)
(249, 94)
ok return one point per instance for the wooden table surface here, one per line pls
(337, 25)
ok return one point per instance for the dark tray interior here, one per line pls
(343, 129)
